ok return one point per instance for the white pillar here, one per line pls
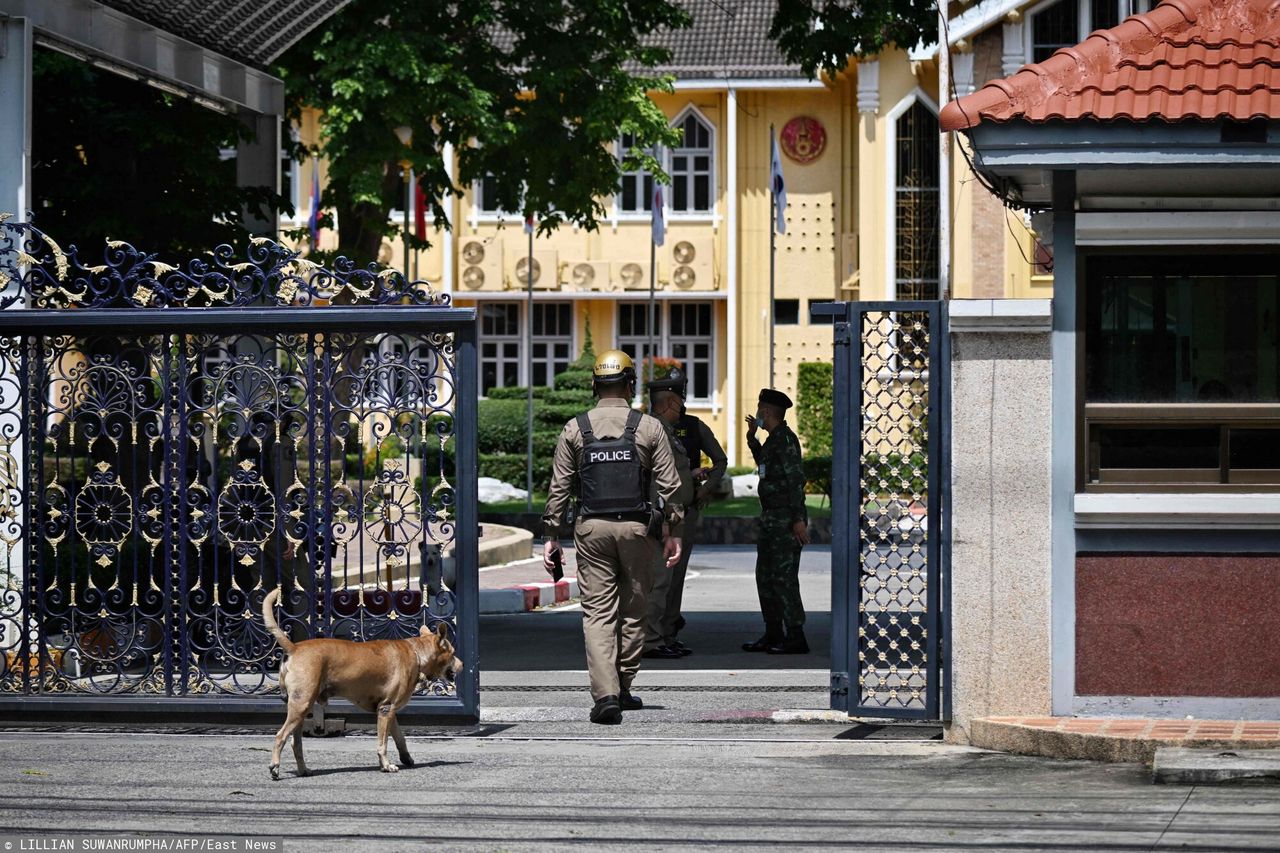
(15, 106)
(944, 159)
(731, 269)
(450, 205)
(15, 198)
(258, 165)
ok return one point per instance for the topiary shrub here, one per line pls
(501, 426)
(517, 393)
(817, 475)
(814, 407)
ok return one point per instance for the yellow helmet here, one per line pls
(613, 366)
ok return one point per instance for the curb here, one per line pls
(1118, 740)
(526, 597)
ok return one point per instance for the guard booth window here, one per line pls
(1182, 371)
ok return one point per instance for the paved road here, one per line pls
(539, 787)
(721, 607)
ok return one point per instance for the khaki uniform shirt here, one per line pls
(608, 420)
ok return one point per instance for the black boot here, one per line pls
(772, 636)
(794, 644)
(607, 711)
(630, 702)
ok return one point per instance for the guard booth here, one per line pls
(890, 578)
(176, 442)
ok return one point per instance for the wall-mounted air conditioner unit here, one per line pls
(480, 265)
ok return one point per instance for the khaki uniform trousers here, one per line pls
(667, 593)
(615, 561)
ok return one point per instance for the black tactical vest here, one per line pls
(611, 479)
(690, 437)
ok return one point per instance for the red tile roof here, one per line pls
(1183, 60)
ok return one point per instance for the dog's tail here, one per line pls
(268, 605)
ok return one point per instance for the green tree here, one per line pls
(822, 35)
(532, 92)
(114, 158)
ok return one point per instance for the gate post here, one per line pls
(844, 487)
(998, 648)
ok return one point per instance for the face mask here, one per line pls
(759, 421)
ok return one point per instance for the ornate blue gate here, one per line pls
(177, 442)
(890, 584)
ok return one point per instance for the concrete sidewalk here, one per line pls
(1116, 739)
(636, 786)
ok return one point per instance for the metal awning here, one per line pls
(214, 51)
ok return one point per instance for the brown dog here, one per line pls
(378, 676)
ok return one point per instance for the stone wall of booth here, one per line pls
(1001, 423)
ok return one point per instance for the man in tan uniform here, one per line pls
(693, 438)
(605, 460)
(665, 405)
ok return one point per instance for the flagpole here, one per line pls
(528, 333)
(653, 277)
(773, 250)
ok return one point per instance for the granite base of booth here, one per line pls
(715, 530)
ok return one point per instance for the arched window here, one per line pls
(692, 165)
(915, 199)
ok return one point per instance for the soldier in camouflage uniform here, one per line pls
(783, 529)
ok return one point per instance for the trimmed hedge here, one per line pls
(517, 393)
(817, 475)
(510, 468)
(501, 426)
(814, 405)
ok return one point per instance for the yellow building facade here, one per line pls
(862, 216)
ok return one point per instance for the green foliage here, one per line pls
(740, 470)
(891, 473)
(116, 159)
(824, 36)
(517, 393)
(817, 475)
(574, 380)
(814, 407)
(502, 426)
(510, 468)
(532, 92)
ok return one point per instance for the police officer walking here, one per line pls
(783, 528)
(605, 459)
(666, 401)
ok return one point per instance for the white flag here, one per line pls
(659, 224)
(778, 187)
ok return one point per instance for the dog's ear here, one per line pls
(442, 631)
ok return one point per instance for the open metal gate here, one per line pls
(889, 493)
(177, 442)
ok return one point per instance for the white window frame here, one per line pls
(524, 323)
(710, 214)
(1085, 16)
(550, 341)
(891, 183)
(664, 339)
(645, 212)
(483, 338)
